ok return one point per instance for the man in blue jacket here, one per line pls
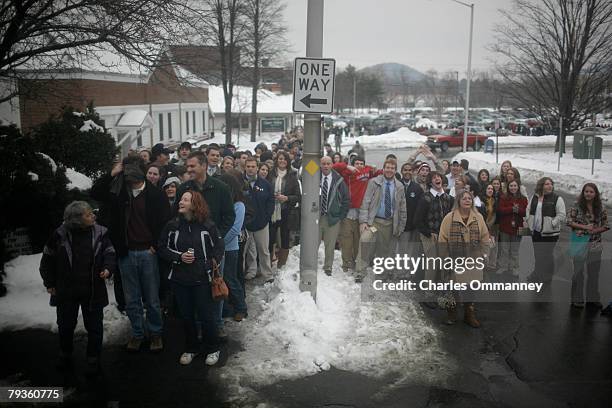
(259, 193)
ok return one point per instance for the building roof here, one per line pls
(267, 102)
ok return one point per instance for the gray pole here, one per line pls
(469, 79)
(560, 139)
(354, 102)
(309, 234)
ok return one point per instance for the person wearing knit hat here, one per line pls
(422, 172)
(138, 212)
(170, 186)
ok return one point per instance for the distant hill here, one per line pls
(392, 73)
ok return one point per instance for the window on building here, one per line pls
(203, 121)
(194, 122)
(244, 122)
(186, 123)
(161, 126)
(169, 125)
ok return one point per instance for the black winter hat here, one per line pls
(132, 173)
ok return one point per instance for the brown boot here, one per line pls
(470, 316)
(283, 254)
(451, 315)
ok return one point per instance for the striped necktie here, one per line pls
(388, 199)
(324, 196)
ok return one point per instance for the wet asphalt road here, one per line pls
(524, 355)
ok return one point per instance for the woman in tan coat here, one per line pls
(464, 234)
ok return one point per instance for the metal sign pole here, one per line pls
(592, 155)
(309, 234)
(560, 142)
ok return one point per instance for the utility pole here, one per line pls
(469, 75)
(354, 102)
(309, 234)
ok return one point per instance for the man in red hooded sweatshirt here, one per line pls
(356, 176)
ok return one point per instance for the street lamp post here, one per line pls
(469, 75)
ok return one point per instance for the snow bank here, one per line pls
(426, 123)
(288, 335)
(535, 165)
(26, 304)
(78, 180)
(401, 138)
(540, 141)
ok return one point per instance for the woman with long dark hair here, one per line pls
(283, 179)
(588, 217)
(489, 213)
(191, 242)
(510, 212)
(545, 216)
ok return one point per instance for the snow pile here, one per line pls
(534, 165)
(90, 125)
(426, 123)
(78, 180)
(26, 304)
(289, 336)
(401, 138)
(540, 141)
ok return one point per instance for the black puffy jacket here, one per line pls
(56, 264)
(178, 236)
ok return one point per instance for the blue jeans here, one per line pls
(230, 275)
(140, 277)
(192, 300)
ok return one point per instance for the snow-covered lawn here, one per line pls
(540, 141)
(26, 304)
(535, 164)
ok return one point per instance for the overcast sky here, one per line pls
(423, 34)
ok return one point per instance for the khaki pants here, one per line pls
(380, 243)
(430, 249)
(349, 242)
(329, 235)
(261, 239)
(409, 243)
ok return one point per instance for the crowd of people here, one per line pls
(164, 226)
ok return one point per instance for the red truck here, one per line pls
(446, 138)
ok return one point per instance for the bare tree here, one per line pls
(266, 42)
(228, 30)
(37, 34)
(556, 57)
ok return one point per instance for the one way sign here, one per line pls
(313, 85)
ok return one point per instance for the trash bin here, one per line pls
(489, 146)
(587, 147)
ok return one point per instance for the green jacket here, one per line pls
(339, 200)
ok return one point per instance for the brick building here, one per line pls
(170, 102)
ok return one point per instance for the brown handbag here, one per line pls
(218, 286)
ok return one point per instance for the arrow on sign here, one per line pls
(307, 100)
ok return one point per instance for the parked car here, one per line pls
(446, 138)
(479, 130)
